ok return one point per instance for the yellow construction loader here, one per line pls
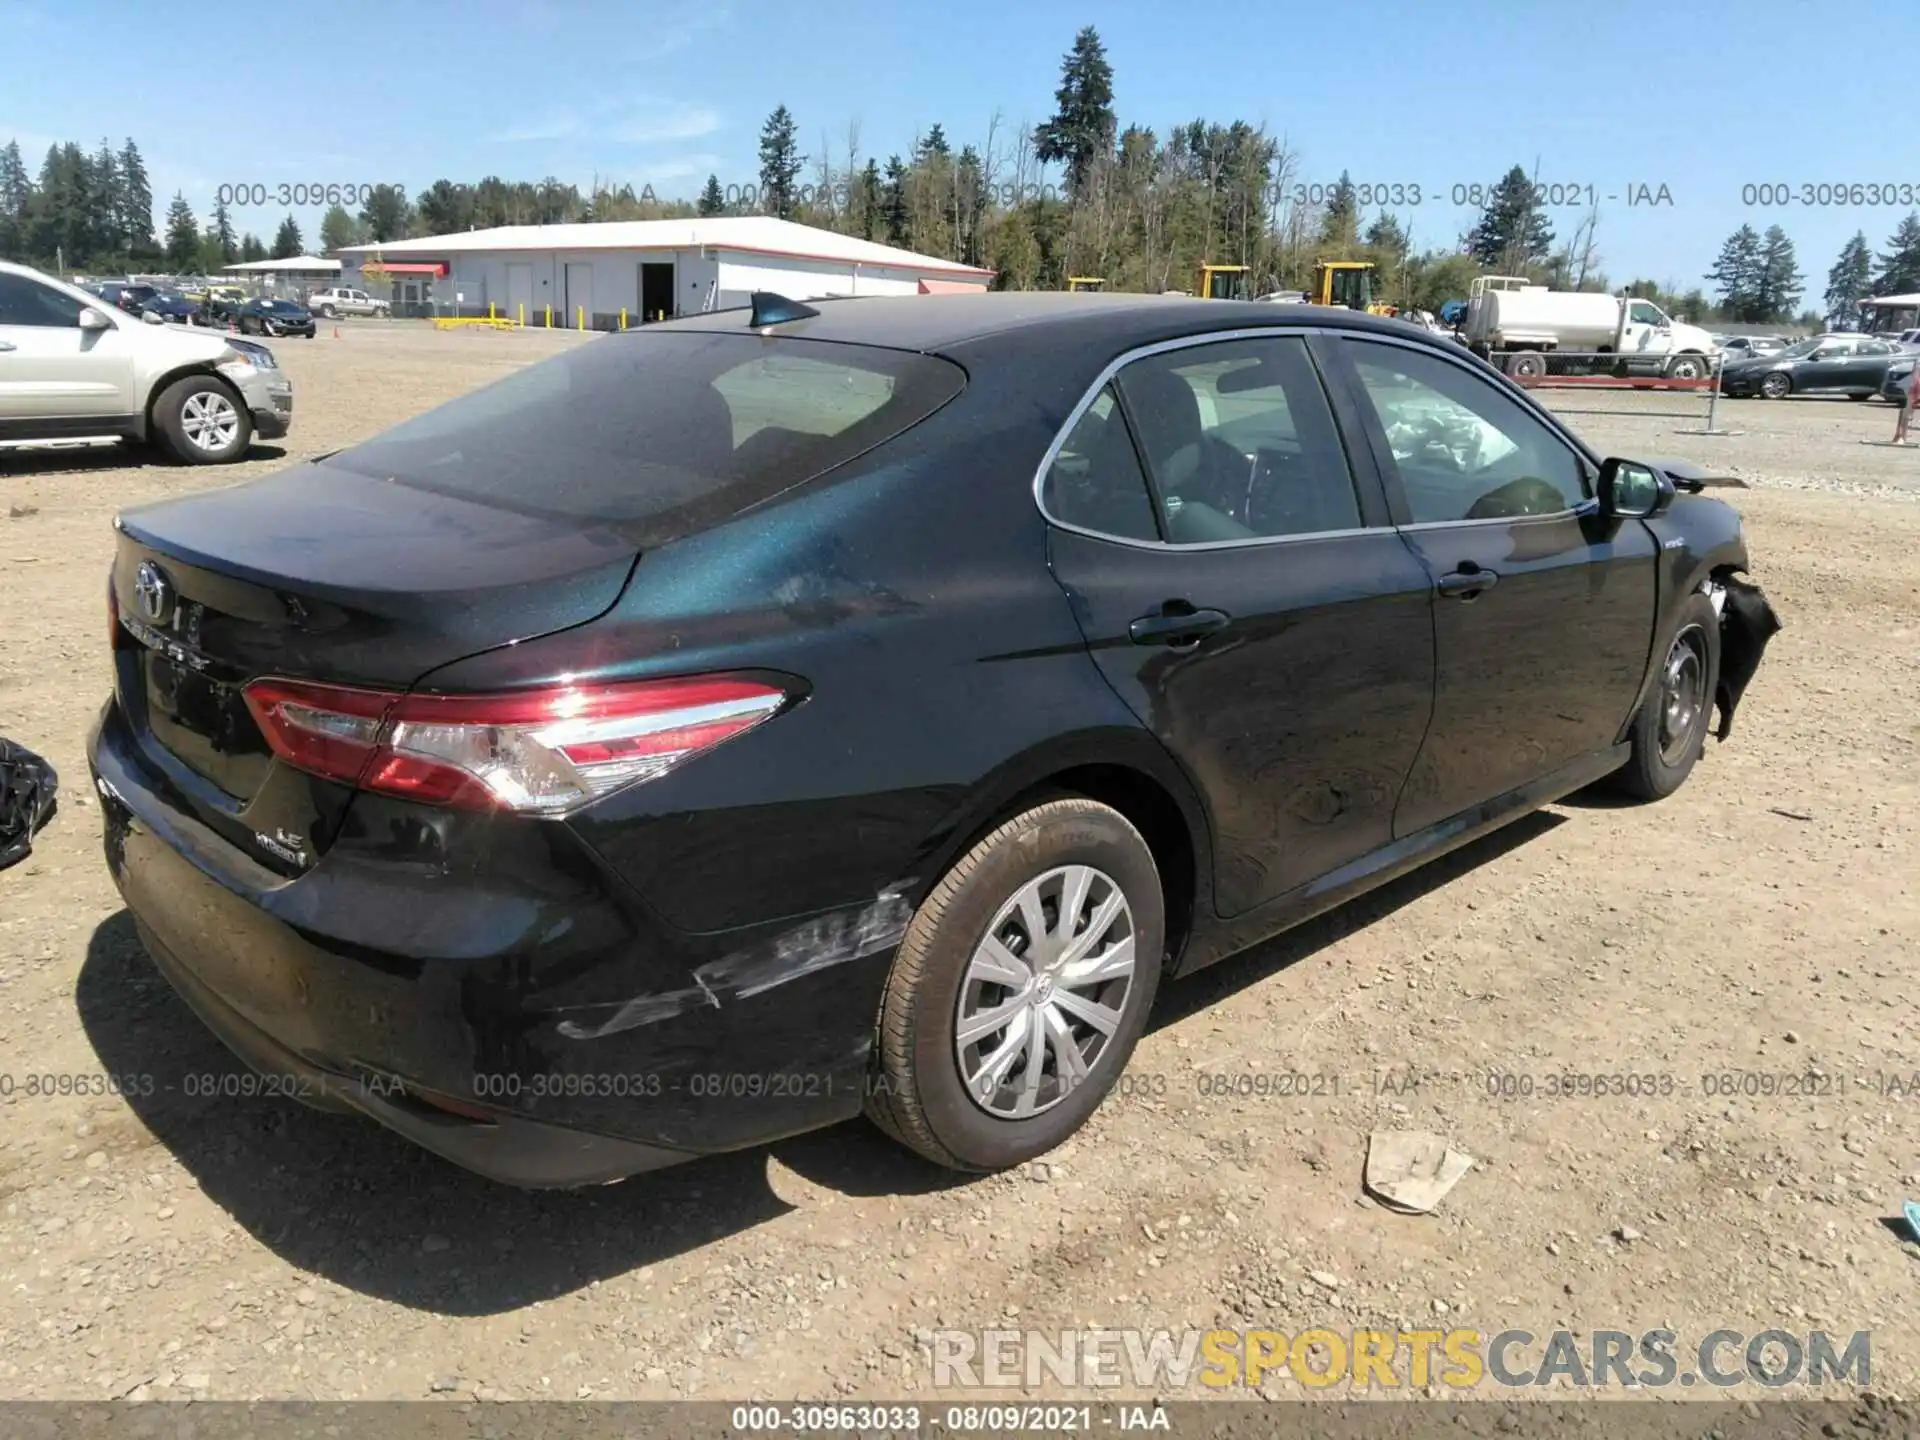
(1224, 282)
(1093, 283)
(1347, 284)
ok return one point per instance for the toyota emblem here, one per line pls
(154, 591)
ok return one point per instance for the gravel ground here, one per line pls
(170, 1244)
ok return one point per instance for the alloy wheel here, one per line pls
(209, 421)
(1044, 992)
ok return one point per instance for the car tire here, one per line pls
(202, 422)
(1527, 364)
(1776, 386)
(1670, 730)
(949, 979)
(327, 312)
(1688, 367)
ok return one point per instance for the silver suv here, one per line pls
(74, 367)
(339, 300)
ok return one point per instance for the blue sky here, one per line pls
(1428, 93)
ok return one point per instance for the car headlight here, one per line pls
(243, 355)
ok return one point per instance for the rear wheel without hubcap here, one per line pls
(1020, 988)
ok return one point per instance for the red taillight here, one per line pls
(539, 751)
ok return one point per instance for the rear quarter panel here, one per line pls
(940, 662)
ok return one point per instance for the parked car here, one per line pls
(925, 738)
(1893, 388)
(131, 297)
(264, 316)
(1749, 347)
(1834, 364)
(172, 307)
(340, 300)
(73, 366)
(223, 304)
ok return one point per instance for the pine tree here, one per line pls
(337, 230)
(1512, 232)
(1340, 226)
(223, 237)
(1847, 282)
(16, 191)
(780, 163)
(867, 201)
(107, 241)
(1899, 272)
(286, 240)
(1083, 126)
(894, 215)
(713, 200)
(1387, 238)
(251, 249)
(136, 205)
(384, 215)
(1781, 283)
(183, 236)
(1736, 275)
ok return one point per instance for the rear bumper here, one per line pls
(517, 1013)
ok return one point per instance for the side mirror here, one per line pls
(1632, 491)
(92, 319)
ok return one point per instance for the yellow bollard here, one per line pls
(520, 316)
(579, 317)
(623, 317)
(549, 317)
(490, 314)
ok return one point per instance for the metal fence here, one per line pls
(1692, 382)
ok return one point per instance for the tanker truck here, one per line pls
(1529, 330)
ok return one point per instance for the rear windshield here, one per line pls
(661, 432)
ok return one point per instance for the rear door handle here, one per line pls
(1182, 628)
(1464, 584)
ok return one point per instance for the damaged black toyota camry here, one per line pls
(725, 727)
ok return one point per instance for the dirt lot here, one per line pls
(1764, 920)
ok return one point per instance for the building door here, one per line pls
(580, 294)
(657, 291)
(520, 292)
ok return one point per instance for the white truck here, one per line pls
(338, 300)
(1531, 330)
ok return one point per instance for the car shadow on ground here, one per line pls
(80, 459)
(343, 1198)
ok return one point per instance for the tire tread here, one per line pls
(895, 1104)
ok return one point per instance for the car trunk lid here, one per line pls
(321, 575)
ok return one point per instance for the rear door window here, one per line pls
(661, 432)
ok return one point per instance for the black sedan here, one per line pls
(1850, 365)
(715, 731)
(261, 316)
(171, 307)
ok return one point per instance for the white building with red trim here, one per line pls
(600, 275)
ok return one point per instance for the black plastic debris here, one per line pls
(28, 787)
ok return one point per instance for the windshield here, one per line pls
(664, 432)
(1798, 349)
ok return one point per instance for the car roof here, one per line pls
(945, 324)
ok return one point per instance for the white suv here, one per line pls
(338, 301)
(74, 367)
